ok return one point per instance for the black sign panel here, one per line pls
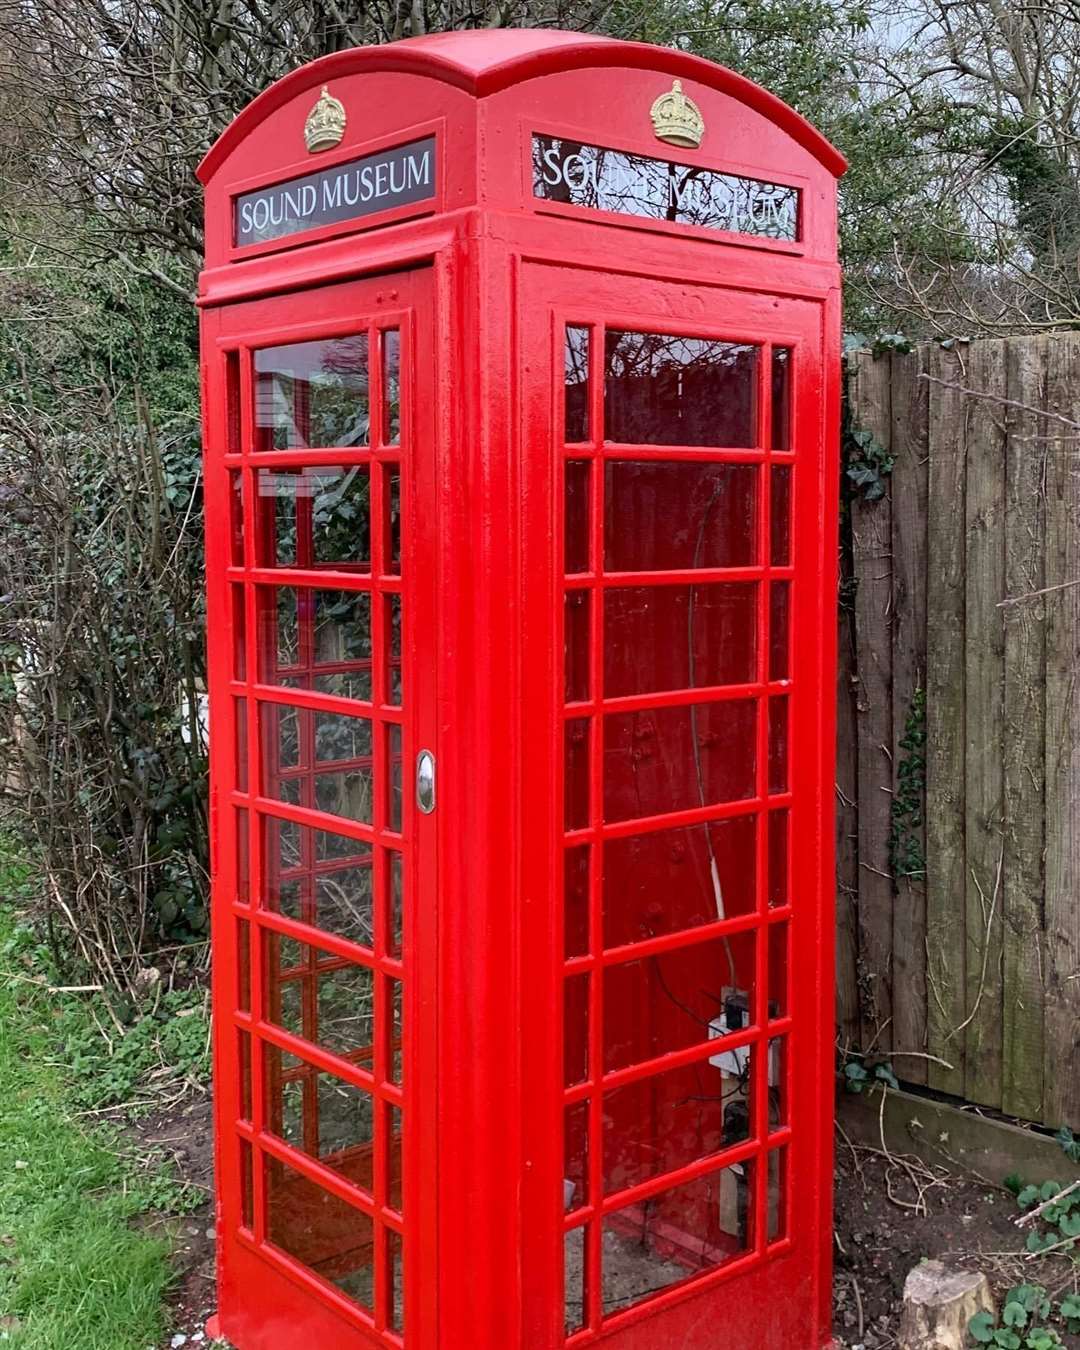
(360, 187)
(635, 185)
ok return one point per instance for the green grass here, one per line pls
(75, 1272)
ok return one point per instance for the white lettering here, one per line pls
(552, 167)
(262, 217)
(354, 179)
(307, 195)
(246, 224)
(331, 194)
(421, 174)
(365, 179)
(380, 180)
(395, 186)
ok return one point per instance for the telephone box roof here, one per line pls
(484, 61)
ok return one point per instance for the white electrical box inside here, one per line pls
(735, 1063)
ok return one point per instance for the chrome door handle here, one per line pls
(425, 782)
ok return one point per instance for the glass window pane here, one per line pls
(780, 630)
(665, 390)
(243, 1042)
(320, 879)
(577, 901)
(396, 1262)
(238, 613)
(321, 1231)
(321, 1115)
(299, 746)
(576, 385)
(682, 1233)
(576, 771)
(781, 398)
(679, 637)
(243, 965)
(574, 1264)
(662, 1123)
(395, 1141)
(576, 1151)
(779, 871)
(394, 777)
(778, 1084)
(236, 519)
(576, 635)
(778, 1194)
(576, 1029)
(312, 394)
(669, 880)
(392, 520)
(778, 744)
(396, 1056)
(240, 722)
(577, 516)
(391, 340)
(397, 903)
(316, 639)
(672, 1001)
(676, 759)
(780, 517)
(321, 998)
(672, 514)
(778, 970)
(314, 517)
(247, 1196)
(243, 868)
(392, 648)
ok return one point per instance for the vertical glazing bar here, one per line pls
(594, 1232)
(255, 825)
(759, 1083)
(382, 1275)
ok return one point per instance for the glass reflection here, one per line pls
(665, 515)
(674, 759)
(637, 185)
(576, 385)
(666, 390)
(312, 394)
(679, 637)
(314, 517)
(692, 1228)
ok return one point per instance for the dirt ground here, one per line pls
(890, 1214)
(893, 1212)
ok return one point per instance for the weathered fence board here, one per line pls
(946, 885)
(910, 395)
(1024, 733)
(871, 549)
(1061, 1072)
(984, 657)
(962, 958)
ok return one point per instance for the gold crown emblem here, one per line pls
(325, 123)
(677, 119)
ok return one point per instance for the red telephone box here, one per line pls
(521, 385)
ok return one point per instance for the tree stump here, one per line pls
(939, 1302)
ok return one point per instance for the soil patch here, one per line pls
(893, 1212)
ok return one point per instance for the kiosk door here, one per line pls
(318, 486)
(694, 719)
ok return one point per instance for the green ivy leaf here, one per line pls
(1069, 1225)
(1014, 1315)
(1008, 1340)
(981, 1328)
(1028, 1196)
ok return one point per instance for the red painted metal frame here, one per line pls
(482, 287)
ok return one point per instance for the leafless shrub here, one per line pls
(102, 754)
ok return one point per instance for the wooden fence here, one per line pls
(959, 924)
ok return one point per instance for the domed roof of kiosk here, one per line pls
(484, 61)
